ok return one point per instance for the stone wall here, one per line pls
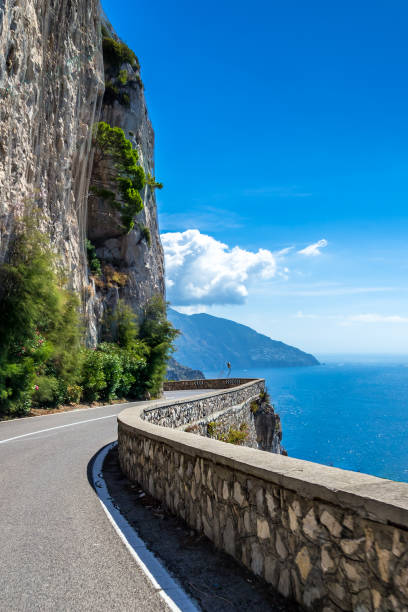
(207, 383)
(181, 413)
(329, 538)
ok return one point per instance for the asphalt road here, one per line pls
(58, 550)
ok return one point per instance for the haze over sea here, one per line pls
(351, 412)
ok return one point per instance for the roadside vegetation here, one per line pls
(232, 436)
(44, 361)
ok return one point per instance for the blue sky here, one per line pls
(278, 125)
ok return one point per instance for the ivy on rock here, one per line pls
(112, 145)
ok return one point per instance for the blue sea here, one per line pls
(349, 412)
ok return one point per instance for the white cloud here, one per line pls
(314, 249)
(202, 270)
(301, 291)
(347, 320)
(302, 315)
(376, 318)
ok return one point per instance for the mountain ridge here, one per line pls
(208, 343)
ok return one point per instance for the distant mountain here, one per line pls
(208, 342)
(176, 371)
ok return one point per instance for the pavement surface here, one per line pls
(58, 550)
(213, 579)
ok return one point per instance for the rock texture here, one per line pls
(239, 409)
(51, 91)
(51, 86)
(330, 539)
(140, 264)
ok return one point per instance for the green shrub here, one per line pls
(93, 375)
(93, 261)
(235, 436)
(46, 392)
(158, 334)
(211, 429)
(74, 394)
(39, 322)
(111, 93)
(104, 31)
(145, 234)
(123, 76)
(264, 396)
(111, 144)
(151, 181)
(116, 53)
(111, 371)
(232, 436)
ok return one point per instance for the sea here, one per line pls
(350, 412)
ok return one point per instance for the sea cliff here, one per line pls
(52, 94)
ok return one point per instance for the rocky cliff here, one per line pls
(52, 84)
(176, 371)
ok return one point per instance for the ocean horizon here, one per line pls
(350, 412)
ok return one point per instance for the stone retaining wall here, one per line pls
(205, 383)
(180, 413)
(329, 538)
(226, 419)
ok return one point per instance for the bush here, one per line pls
(74, 394)
(39, 323)
(93, 261)
(47, 392)
(112, 145)
(158, 334)
(145, 234)
(123, 77)
(93, 376)
(117, 53)
(112, 372)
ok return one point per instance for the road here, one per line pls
(58, 550)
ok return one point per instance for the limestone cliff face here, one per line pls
(51, 91)
(134, 259)
(51, 87)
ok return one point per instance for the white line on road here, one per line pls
(34, 433)
(171, 592)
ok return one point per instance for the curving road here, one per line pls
(58, 550)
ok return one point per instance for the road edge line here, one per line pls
(166, 586)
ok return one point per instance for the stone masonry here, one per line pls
(330, 539)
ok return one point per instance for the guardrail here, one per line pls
(328, 538)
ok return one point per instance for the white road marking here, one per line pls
(34, 433)
(55, 414)
(168, 589)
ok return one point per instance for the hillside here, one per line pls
(176, 371)
(208, 342)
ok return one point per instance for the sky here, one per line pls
(281, 139)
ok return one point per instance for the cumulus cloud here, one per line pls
(314, 249)
(202, 270)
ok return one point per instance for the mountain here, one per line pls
(176, 371)
(208, 342)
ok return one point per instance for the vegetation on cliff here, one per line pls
(111, 145)
(43, 358)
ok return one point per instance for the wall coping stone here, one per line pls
(150, 406)
(378, 499)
